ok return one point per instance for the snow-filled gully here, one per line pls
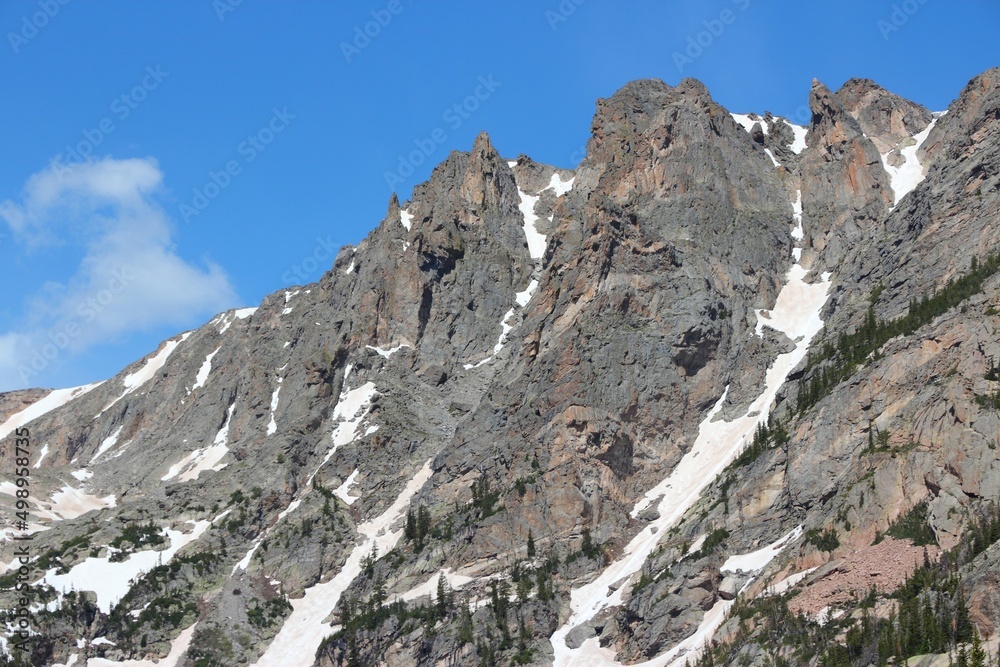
(797, 315)
(536, 250)
(304, 630)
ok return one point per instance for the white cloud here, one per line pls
(129, 278)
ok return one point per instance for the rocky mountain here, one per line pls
(726, 393)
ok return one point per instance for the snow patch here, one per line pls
(206, 367)
(152, 366)
(272, 426)
(352, 408)
(429, 587)
(908, 175)
(83, 474)
(342, 490)
(758, 560)
(799, 143)
(748, 120)
(561, 187)
(203, 458)
(68, 503)
(305, 629)
(386, 353)
(178, 647)
(54, 399)
(350, 267)
(406, 218)
(788, 582)
(771, 155)
(41, 455)
(111, 581)
(524, 297)
(536, 240)
(797, 232)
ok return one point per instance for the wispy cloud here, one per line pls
(130, 277)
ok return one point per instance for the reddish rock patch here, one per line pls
(884, 565)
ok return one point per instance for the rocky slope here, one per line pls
(507, 427)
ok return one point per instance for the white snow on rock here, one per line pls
(758, 560)
(560, 186)
(771, 155)
(406, 218)
(524, 297)
(352, 408)
(799, 143)
(350, 267)
(203, 458)
(304, 630)
(718, 443)
(505, 328)
(69, 503)
(908, 175)
(429, 588)
(343, 490)
(111, 581)
(688, 651)
(83, 474)
(386, 353)
(227, 319)
(272, 426)
(177, 649)
(536, 240)
(152, 366)
(54, 399)
(748, 120)
(206, 367)
(797, 233)
(43, 452)
(788, 582)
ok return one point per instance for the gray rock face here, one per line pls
(544, 394)
(845, 188)
(885, 118)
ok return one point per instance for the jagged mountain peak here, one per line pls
(628, 391)
(886, 118)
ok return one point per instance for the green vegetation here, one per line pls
(485, 500)
(766, 437)
(825, 540)
(418, 525)
(133, 537)
(833, 363)
(713, 540)
(270, 613)
(913, 526)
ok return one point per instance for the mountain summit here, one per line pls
(726, 393)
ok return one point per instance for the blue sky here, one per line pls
(163, 161)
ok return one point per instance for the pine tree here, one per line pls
(531, 545)
(977, 657)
